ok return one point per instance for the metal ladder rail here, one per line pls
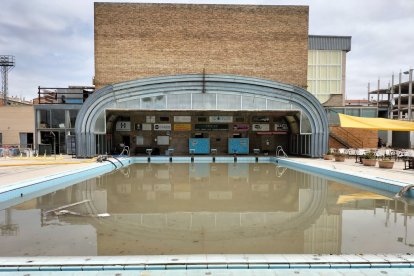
(279, 150)
(126, 150)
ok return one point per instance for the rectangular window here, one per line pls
(334, 87)
(334, 72)
(323, 73)
(72, 117)
(164, 119)
(322, 57)
(58, 118)
(44, 118)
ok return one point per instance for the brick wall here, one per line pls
(143, 40)
(369, 138)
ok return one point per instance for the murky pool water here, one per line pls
(207, 209)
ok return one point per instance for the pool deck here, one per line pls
(397, 173)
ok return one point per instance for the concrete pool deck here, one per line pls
(15, 170)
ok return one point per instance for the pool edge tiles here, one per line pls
(239, 262)
(383, 184)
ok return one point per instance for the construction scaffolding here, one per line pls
(398, 101)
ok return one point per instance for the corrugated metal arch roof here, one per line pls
(114, 96)
(325, 42)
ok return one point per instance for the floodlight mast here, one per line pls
(7, 62)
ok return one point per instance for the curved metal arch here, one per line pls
(112, 95)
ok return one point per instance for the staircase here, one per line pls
(347, 139)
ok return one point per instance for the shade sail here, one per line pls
(374, 123)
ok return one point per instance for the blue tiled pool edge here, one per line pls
(21, 191)
(207, 262)
(387, 185)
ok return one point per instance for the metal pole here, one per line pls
(4, 84)
(410, 94)
(399, 96)
(378, 94)
(54, 143)
(368, 94)
(392, 97)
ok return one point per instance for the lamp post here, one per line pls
(54, 143)
(410, 91)
(378, 95)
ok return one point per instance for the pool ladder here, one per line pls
(280, 152)
(126, 150)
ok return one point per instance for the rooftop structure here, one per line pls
(327, 68)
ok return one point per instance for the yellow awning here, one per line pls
(375, 123)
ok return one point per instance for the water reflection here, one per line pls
(206, 208)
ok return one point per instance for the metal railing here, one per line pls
(280, 152)
(71, 95)
(345, 137)
(125, 149)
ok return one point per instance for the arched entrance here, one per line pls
(220, 97)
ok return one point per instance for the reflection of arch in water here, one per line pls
(251, 224)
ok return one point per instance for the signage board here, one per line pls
(281, 126)
(241, 127)
(211, 127)
(123, 126)
(162, 127)
(163, 140)
(221, 119)
(182, 127)
(146, 127)
(139, 140)
(259, 119)
(182, 119)
(271, 132)
(260, 127)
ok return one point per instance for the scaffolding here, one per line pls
(7, 63)
(398, 101)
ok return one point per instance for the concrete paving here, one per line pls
(14, 170)
(397, 173)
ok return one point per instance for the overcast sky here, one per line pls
(53, 40)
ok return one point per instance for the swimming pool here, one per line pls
(207, 208)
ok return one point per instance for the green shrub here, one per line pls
(369, 155)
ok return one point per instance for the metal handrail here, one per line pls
(351, 139)
(279, 150)
(125, 149)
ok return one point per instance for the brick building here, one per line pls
(134, 41)
(169, 74)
